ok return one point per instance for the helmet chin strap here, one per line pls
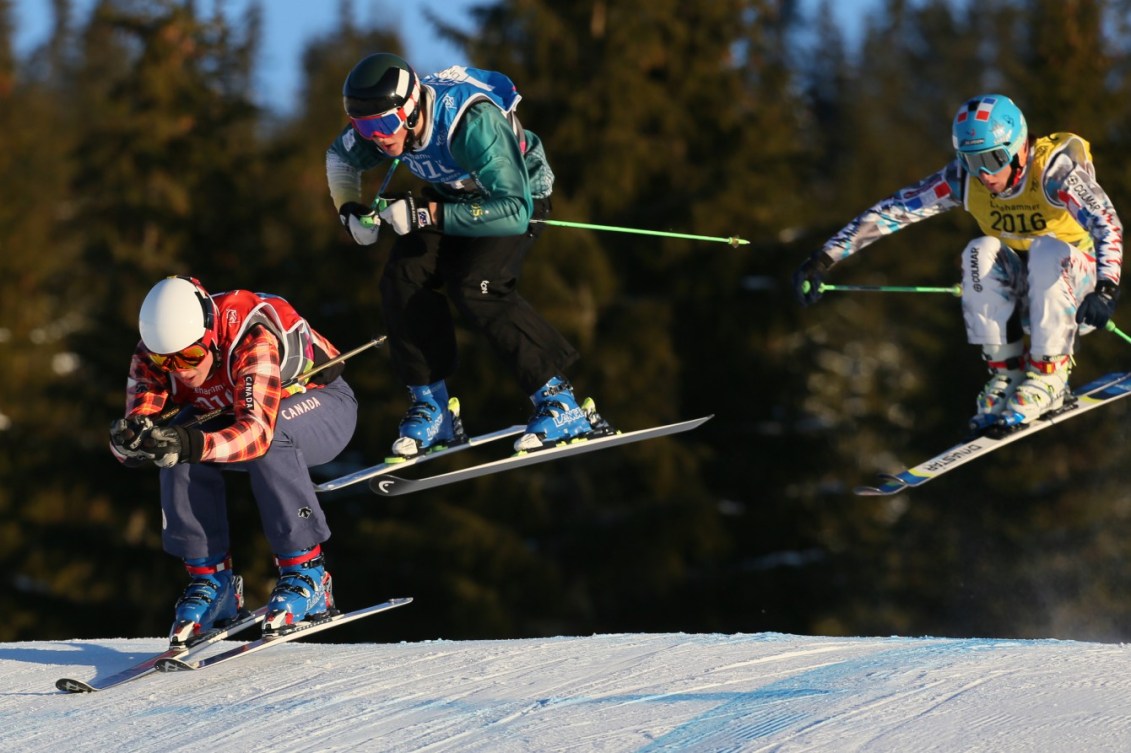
(422, 108)
(1015, 172)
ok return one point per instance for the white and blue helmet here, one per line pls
(988, 132)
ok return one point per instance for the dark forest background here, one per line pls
(132, 147)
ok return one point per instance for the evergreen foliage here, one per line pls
(135, 145)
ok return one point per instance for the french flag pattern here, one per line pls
(926, 193)
(982, 112)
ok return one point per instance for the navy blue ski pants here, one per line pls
(313, 428)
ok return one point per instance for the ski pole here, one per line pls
(203, 417)
(954, 290)
(1110, 327)
(733, 241)
(378, 202)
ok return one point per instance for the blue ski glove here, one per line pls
(1099, 305)
(405, 216)
(809, 276)
(361, 221)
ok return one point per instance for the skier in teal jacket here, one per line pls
(464, 240)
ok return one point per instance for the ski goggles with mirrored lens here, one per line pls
(991, 161)
(189, 358)
(382, 124)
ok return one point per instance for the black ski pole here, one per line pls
(203, 417)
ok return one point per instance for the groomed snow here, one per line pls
(632, 692)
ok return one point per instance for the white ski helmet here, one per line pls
(175, 314)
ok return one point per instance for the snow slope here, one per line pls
(633, 692)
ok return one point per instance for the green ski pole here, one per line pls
(1110, 327)
(954, 290)
(378, 202)
(733, 241)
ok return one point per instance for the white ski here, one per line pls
(149, 665)
(389, 486)
(1104, 390)
(294, 632)
(367, 473)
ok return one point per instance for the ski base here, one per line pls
(367, 473)
(390, 486)
(1104, 390)
(149, 665)
(300, 630)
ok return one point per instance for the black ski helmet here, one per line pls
(379, 83)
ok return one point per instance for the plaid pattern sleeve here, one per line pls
(147, 387)
(258, 392)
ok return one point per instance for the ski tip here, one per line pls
(889, 484)
(68, 685)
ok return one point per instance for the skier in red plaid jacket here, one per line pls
(244, 351)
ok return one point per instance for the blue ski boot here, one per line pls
(213, 598)
(431, 422)
(557, 417)
(303, 591)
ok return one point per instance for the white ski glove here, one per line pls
(361, 221)
(405, 216)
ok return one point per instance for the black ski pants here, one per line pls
(479, 276)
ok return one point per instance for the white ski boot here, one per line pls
(1006, 364)
(1044, 389)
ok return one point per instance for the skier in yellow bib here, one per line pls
(1047, 265)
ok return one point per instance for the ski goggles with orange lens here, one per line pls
(189, 358)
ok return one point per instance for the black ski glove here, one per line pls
(126, 435)
(809, 276)
(1098, 306)
(168, 445)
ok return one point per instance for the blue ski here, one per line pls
(1106, 389)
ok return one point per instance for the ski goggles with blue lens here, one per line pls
(990, 162)
(383, 124)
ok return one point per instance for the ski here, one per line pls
(1102, 391)
(294, 632)
(390, 486)
(367, 473)
(149, 665)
